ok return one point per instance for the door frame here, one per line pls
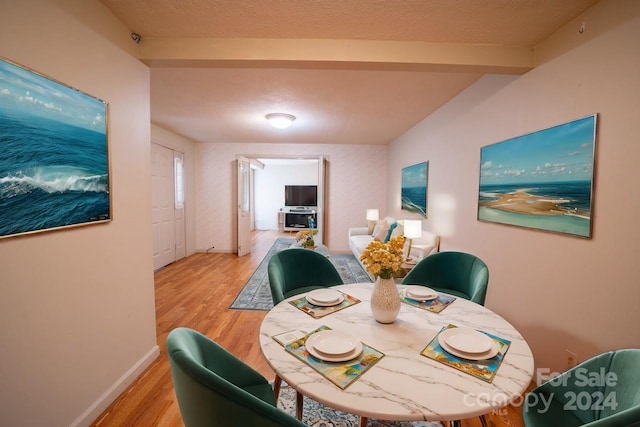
(322, 187)
(244, 190)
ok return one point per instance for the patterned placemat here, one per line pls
(317, 311)
(434, 305)
(342, 374)
(483, 369)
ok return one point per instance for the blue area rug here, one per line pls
(256, 294)
(317, 415)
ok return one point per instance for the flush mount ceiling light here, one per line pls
(280, 120)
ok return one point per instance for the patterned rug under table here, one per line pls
(315, 414)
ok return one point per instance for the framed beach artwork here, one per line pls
(414, 188)
(542, 180)
(54, 168)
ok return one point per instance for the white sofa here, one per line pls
(427, 244)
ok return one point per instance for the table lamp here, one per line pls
(412, 230)
(372, 216)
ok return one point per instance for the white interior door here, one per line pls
(244, 205)
(162, 206)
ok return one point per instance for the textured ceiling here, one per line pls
(352, 71)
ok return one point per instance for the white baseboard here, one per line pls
(112, 393)
(216, 251)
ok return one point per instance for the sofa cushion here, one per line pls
(422, 251)
(360, 242)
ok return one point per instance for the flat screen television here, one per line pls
(301, 195)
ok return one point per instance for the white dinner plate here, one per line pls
(325, 297)
(468, 343)
(332, 342)
(470, 356)
(420, 293)
(333, 346)
(467, 340)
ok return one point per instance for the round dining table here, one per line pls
(404, 385)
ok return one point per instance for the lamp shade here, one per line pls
(373, 215)
(412, 228)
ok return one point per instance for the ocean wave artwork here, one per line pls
(542, 180)
(413, 192)
(53, 154)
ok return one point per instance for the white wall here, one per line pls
(77, 315)
(186, 146)
(270, 183)
(561, 292)
(357, 177)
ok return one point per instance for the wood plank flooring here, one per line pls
(196, 292)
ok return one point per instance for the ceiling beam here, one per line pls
(335, 54)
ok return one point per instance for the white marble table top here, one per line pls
(403, 385)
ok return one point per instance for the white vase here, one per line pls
(385, 300)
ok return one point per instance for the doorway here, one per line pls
(267, 199)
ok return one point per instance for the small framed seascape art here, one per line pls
(54, 162)
(413, 192)
(542, 180)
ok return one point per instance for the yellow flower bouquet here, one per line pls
(384, 260)
(305, 238)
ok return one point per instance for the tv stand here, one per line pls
(296, 218)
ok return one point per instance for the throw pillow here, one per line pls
(399, 230)
(379, 224)
(390, 232)
(382, 232)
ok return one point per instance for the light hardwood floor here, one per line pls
(196, 292)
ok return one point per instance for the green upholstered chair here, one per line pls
(603, 391)
(295, 271)
(456, 273)
(214, 388)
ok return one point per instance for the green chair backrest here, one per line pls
(296, 270)
(214, 388)
(603, 391)
(464, 274)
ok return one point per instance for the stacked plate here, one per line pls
(420, 293)
(468, 343)
(333, 346)
(325, 297)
